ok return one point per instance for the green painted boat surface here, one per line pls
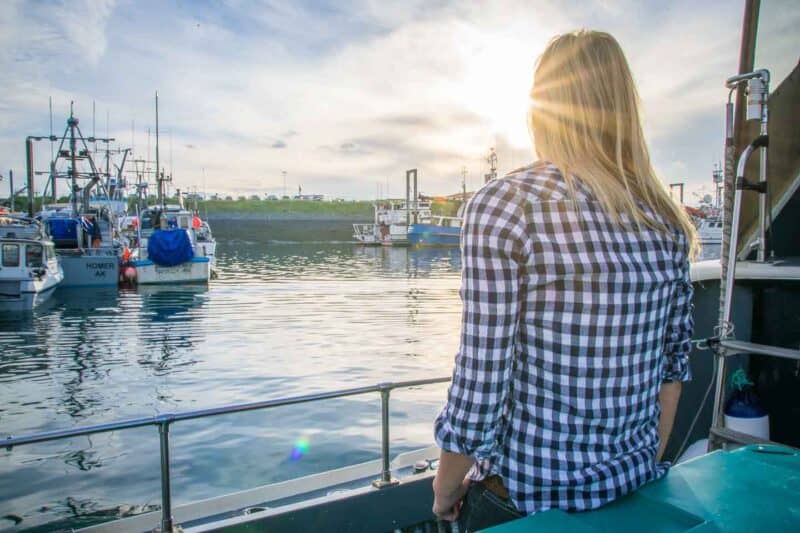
(754, 488)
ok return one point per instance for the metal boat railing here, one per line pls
(163, 422)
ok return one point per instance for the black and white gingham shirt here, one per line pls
(570, 325)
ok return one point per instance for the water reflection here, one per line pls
(166, 327)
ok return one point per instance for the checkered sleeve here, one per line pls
(680, 327)
(493, 249)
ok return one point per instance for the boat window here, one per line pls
(50, 252)
(33, 255)
(10, 255)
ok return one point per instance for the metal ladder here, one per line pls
(725, 345)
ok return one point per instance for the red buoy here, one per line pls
(129, 273)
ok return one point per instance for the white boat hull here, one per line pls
(198, 270)
(207, 249)
(25, 295)
(95, 268)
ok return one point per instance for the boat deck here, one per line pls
(751, 489)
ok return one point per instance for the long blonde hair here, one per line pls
(584, 119)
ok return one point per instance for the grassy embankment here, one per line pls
(300, 209)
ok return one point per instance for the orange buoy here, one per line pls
(126, 254)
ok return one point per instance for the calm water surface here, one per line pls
(297, 309)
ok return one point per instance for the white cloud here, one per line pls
(368, 90)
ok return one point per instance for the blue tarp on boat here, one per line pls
(63, 231)
(63, 228)
(169, 247)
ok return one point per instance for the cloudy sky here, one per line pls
(346, 95)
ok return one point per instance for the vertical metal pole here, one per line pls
(408, 198)
(762, 177)
(11, 188)
(29, 165)
(53, 181)
(416, 198)
(166, 496)
(729, 188)
(386, 469)
(73, 171)
(386, 474)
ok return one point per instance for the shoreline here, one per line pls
(284, 217)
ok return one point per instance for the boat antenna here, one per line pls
(492, 160)
(50, 99)
(170, 155)
(464, 184)
(94, 125)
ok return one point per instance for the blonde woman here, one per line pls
(576, 308)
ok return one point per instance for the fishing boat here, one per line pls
(440, 231)
(172, 244)
(87, 243)
(745, 314)
(168, 249)
(394, 218)
(709, 230)
(391, 226)
(29, 270)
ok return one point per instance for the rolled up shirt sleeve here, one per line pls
(493, 237)
(680, 327)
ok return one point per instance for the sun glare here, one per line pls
(498, 82)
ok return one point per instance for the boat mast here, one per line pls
(72, 122)
(464, 184)
(734, 135)
(718, 180)
(159, 177)
(52, 155)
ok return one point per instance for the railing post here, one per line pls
(166, 494)
(386, 470)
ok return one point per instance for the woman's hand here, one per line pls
(447, 503)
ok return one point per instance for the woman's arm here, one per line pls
(494, 244)
(678, 344)
(668, 397)
(449, 485)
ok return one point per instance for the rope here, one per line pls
(721, 331)
(710, 386)
(727, 212)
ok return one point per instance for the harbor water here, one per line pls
(297, 309)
